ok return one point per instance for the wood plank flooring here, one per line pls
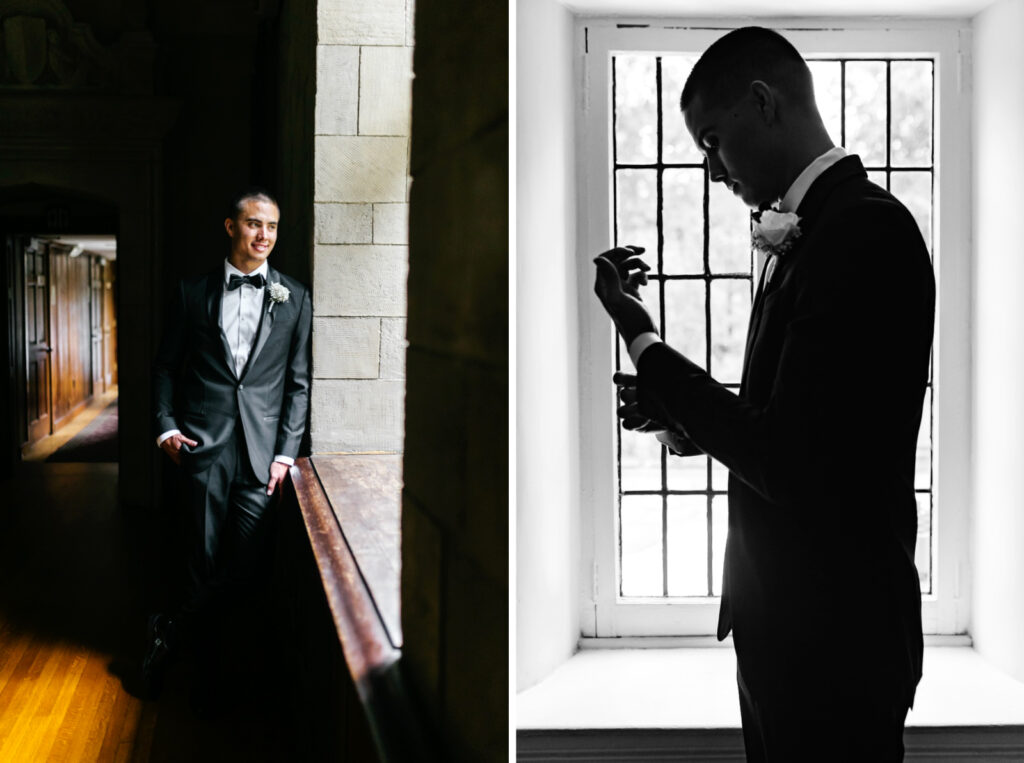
(73, 591)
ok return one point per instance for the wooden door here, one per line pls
(38, 413)
(109, 323)
(99, 384)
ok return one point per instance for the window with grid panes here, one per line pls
(673, 512)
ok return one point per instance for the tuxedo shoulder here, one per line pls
(876, 231)
(872, 213)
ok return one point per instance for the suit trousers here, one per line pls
(231, 520)
(821, 726)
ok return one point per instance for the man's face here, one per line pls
(734, 141)
(254, 231)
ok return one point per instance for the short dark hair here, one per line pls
(722, 75)
(234, 208)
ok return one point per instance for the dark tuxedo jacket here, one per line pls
(197, 390)
(819, 583)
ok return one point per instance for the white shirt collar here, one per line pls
(231, 270)
(811, 172)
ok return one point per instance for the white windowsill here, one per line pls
(695, 688)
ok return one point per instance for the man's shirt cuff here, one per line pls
(285, 460)
(165, 435)
(641, 343)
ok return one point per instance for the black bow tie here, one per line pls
(256, 280)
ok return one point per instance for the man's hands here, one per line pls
(278, 472)
(629, 411)
(620, 272)
(172, 446)
(637, 421)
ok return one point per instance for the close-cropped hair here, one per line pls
(723, 74)
(234, 207)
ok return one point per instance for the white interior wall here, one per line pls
(547, 418)
(547, 533)
(998, 366)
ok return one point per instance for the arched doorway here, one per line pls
(93, 163)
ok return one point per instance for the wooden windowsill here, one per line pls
(351, 508)
(365, 492)
(350, 505)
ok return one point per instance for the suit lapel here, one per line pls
(809, 211)
(266, 321)
(752, 326)
(214, 295)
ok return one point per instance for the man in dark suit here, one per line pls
(231, 389)
(820, 589)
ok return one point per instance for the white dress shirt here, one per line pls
(790, 202)
(240, 314)
(240, 310)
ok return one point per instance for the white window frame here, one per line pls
(603, 613)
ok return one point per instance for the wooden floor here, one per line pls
(43, 448)
(73, 598)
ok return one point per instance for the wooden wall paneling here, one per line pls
(58, 337)
(17, 353)
(81, 307)
(96, 325)
(110, 323)
(38, 352)
(70, 333)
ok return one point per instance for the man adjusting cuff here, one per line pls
(641, 343)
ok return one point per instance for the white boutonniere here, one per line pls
(775, 232)
(278, 293)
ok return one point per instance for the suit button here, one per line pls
(241, 386)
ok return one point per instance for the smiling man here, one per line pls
(820, 590)
(231, 387)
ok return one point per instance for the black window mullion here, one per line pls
(842, 103)
(660, 222)
(707, 350)
(888, 125)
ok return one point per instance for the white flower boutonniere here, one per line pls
(278, 293)
(775, 232)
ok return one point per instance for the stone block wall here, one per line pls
(455, 501)
(361, 187)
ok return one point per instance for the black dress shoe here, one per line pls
(159, 644)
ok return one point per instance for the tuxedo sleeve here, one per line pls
(295, 408)
(168, 361)
(852, 367)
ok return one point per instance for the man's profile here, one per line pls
(820, 590)
(231, 394)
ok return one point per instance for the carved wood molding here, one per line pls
(42, 47)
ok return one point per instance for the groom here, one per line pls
(231, 389)
(820, 589)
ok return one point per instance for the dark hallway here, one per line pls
(71, 627)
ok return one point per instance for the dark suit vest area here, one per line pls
(820, 588)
